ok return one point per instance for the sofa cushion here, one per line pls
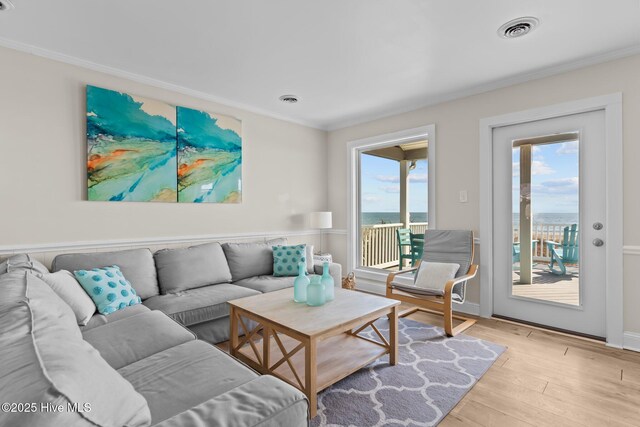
(264, 402)
(100, 319)
(46, 361)
(136, 264)
(184, 376)
(108, 288)
(25, 262)
(287, 258)
(69, 290)
(136, 337)
(198, 305)
(193, 267)
(250, 259)
(266, 283)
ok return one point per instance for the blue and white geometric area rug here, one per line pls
(433, 374)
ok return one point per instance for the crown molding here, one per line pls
(116, 72)
(493, 85)
(337, 125)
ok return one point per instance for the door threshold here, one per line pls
(546, 328)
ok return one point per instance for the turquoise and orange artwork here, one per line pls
(131, 148)
(209, 157)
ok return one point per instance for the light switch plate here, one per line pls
(463, 196)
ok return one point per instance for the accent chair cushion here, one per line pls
(250, 259)
(24, 262)
(193, 267)
(108, 288)
(65, 285)
(286, 259)
(46, 361)
(198, 305)
(136, 264)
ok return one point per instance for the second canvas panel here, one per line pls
(209, 157)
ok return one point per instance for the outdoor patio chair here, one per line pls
(434, 289)
(565, 252)
(405, 241)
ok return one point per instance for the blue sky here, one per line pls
(380, 185)
(554, 181)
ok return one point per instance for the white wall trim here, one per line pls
(494, 85)
(631, 250)
(353, 171)
(72, 60)
(99, 244)
(612, 105)
(632, 341)
(406, 107)
(337, 231)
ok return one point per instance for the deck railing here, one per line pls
(379, 243)
(543, 233)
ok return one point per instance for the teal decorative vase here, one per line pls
(327, 281)
(300, 284)
(315, 292)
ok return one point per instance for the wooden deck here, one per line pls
(550, 287)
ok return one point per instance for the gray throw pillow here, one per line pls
(25, 262)
(193, 267)
(251, 259)
(65, 285)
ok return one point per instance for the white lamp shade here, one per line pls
(320, 220)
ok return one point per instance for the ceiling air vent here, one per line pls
(289, 99)
(6, 5)
(518, 27)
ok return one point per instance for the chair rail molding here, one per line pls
(152, 241)
(612, 106)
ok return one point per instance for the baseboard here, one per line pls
(632, 341)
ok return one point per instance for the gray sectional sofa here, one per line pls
(142, 365)
(192, 285)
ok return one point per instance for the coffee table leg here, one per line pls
(266, 348)
(311, 377)
(234, 332)
(393, 335)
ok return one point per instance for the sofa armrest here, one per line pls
(335, 270)
(265, 402)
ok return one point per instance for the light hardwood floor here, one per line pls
(547, 379)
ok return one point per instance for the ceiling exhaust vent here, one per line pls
(289, 99)
(6, 5)
(518, 27)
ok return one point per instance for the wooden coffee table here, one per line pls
(311, 348)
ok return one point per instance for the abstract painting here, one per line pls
(209, 157)
(131, 148)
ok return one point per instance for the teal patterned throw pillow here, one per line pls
(286, 259)
(108, 288)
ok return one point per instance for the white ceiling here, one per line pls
(349, 60)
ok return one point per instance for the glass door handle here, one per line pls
(598, 242)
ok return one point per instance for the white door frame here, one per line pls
(612, 106)
(377, 279)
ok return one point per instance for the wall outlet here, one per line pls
(463, 196)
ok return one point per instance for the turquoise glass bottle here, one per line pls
(327, 281)
(315, 291)
(300, 284)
